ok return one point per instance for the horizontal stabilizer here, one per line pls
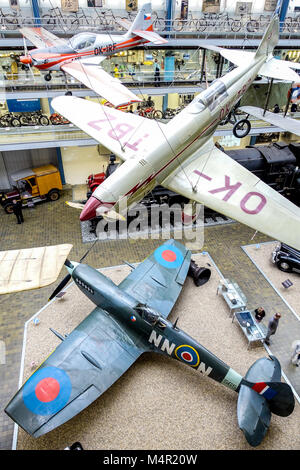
(279, 69)
(238, 57)
(150, 36)
(285, 123)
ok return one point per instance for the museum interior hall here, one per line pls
(150, 211)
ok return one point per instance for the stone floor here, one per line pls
(55, 223)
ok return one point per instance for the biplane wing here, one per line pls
(157, 282)
(285, 123)
(214, 179)
(80, 369)
(124, 134)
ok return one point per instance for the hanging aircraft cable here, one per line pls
(246, 39)
(67, 278)
(161, 128)
(97, 96)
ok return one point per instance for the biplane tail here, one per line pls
(258, 399)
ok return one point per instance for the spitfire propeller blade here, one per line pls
(67, 278)
(60, 287)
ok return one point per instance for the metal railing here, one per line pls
(106, 21)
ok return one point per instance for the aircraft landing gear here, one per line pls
(241, 128)
(47, 77)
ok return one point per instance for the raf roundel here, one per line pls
(187, 354)
(168, 256)
(47, 391)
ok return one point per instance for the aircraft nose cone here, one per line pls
(89, 210)
(26, 59)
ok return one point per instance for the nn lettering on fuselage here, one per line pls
(164, 345)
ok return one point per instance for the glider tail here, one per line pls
(143, 20)
(270, 39)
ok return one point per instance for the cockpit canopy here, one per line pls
(149, 315)
(83, 40)
(210, 97)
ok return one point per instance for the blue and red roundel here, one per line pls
(187, 354)
(168, 256)
(47, 391)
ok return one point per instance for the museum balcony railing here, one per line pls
(138, 80)
(204, 26)
(16, 138)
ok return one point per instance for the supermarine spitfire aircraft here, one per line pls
(181, 154)
(131, 319)
(81, 55)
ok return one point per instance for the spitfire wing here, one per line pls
(80, 369)
(94, 77)
(213, 178)
(158, 280)
(40, 37)
(285, 123)
(124, 134)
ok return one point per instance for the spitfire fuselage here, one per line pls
(148, 329)
(181, 138)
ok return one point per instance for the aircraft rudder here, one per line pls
(270, 39)
(143, 20)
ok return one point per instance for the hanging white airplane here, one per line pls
(81, 55)
(181, 155)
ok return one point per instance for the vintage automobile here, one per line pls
(32, 186)
(286, 258)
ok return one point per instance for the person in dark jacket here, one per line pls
(17, 209)
(259, 314)
(272, 327)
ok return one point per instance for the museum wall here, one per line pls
(234, 7)
(73, 158)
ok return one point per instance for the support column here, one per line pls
(169, 15)
(60, 165)
(36, 12)
(282, 12)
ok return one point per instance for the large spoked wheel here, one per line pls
(157, 114)
(241, 128)
(48, 22)
(201, 25)
(236, 26)
(44, 121)
(178, 24)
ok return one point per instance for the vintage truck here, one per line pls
(32, 185)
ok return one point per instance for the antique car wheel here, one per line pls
(284, 266)
(53, 195)
(9, 208)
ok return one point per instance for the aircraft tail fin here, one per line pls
(143, 20)
(278, 395)
(269, 39)
(258, 399)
